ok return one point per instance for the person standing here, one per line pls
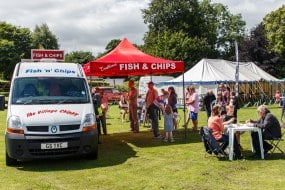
(234, 102)
(172, 101)
(96, 98)
(220, 101)
(133, 107)
(193, 106)
(102, 112)
(140, 108)
(151, 95)
(277, 97)
(168, 123)
(225, 93)
(208, 100)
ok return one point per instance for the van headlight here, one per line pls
(14, 125)
(89, 122)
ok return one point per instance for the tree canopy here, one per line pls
(80, 57)
(15, 44)
(274, 23)
(43, 38)
(189, 30)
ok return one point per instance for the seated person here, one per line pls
(215, 123)
(54, 89)
(124, 107)
(270, 127)
(29, 90)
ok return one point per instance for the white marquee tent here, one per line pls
(207, 73)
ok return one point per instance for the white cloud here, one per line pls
(89, 25)
(80, 25)
(252, 11)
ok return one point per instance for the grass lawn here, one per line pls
(138, 161)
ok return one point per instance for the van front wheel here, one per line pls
(10, 161)
(92, 155)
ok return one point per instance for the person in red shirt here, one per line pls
(278, 97)
(133, 107)
(216, 124)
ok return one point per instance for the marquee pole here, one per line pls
(237, 70)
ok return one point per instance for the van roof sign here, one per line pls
(39, 54)
(49, 69)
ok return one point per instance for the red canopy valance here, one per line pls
(127, 60)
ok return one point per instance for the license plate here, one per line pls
(57, 145)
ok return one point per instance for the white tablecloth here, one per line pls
(243, 127)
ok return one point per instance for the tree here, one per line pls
(221, 28)
(43, 38)
(182, 15)
(110, 46)
(15, 44)
(176, 46)
(255, 48)
(275, 30)
(188, 30)
(80, 57)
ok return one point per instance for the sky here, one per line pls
(89, 25)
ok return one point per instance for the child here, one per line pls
(141, 103)
(124, 107)
(168, 123)
(160, 100)
(231, 119)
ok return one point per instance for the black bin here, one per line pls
(2, 102)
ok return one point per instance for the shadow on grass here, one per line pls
(111, 152)
(146, 139)
(269, 156)
(114, 149)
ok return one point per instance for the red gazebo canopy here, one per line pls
(127, 60)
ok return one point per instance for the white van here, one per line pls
(50, 113)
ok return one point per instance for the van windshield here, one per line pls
(50, 90)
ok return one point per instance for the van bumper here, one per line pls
(21, 146)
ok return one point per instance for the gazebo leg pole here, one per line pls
(184, 107)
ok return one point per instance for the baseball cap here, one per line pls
(150, 82)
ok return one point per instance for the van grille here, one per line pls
(46, 128)
(37, 128)
(68, 127)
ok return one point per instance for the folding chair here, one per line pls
(210, 143)
(247, 104)
(275, 141)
